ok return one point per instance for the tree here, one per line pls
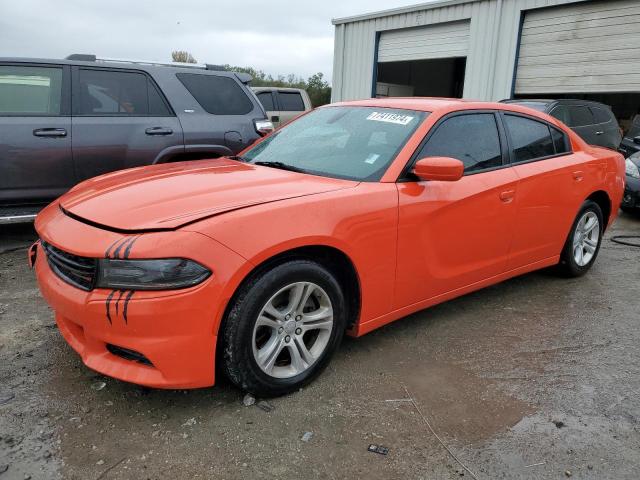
(318, 89)
(182, 56)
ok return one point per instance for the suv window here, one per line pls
(216, 94)
(266, 99)
(291, 101)
(108, 92)
(561, 112)
(471, 138)
(579, 116)
(30, 90)
(560, 141)
(530, 139)
(600, 115)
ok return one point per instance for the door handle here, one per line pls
(275, 118)
(50, 132)
(158, 131)
(578, 175)
(599, 133)
(507, 196)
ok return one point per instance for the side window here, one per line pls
(600, 115)
(561, 112)
(266, 99)
(560, 141)
(217, 94)
(471, 138)
(108, 92)
(291, 101)
(580, 116)
(530, 139)
(30, 90)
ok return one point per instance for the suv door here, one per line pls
(550, 188)
(290, 105)
(454, 234)
(35, 133)
(582, 122)
(120, 120)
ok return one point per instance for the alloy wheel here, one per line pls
(585, 238)
(293, 330)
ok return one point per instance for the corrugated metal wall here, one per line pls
(495, 25)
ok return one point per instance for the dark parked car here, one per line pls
(63, 121)
(631, 142)
(593, 121)
(631, 198)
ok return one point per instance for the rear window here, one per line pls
(216, 94)
(291, 101)
(109, 92)
(530, 139)
(30, 90)
(579, 116)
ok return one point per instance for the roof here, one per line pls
(400, 10)
(425, 104)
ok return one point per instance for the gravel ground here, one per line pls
(535, 378)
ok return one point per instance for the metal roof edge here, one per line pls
(400, 10)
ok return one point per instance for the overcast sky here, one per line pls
(277, 36)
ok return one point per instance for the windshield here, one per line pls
(356, 143)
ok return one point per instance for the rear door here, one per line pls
(120, 120)
(454, 234)
(35, 133)
(582, 122)
(550, 188)
(290, 104)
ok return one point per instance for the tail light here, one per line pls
(263, 127)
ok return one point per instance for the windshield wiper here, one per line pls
(281, 166)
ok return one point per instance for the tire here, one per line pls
(580, 251)
(248, 346)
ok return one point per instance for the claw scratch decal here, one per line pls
(121, 245)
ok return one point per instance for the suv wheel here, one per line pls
(283, 328)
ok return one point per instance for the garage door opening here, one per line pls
(442, 77)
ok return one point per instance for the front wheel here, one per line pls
(583, 244)
(283, 327)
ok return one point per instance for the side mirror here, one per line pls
(444, 169)
(636, 140)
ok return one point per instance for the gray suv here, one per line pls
(593, 121)
(63, 121)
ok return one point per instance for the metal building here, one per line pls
(493, 49)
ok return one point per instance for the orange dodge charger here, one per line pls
(348, 218)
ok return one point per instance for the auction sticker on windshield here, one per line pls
(390, 118)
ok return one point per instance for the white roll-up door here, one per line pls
(422, 43)
(581, 48)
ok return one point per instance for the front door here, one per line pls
(454, 234)
(120, 120)
(35, 133)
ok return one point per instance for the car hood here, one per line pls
(166, 197)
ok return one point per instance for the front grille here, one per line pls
(73, 269)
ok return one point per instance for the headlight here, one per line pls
(160, 274)
(631, 169)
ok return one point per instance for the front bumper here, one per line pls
(174, 331)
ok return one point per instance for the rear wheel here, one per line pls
(583, 244)
(283, 328)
